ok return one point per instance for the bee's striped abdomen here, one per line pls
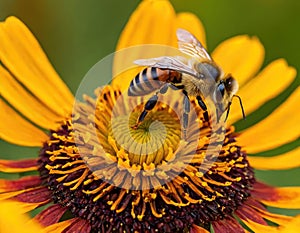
(146, 82)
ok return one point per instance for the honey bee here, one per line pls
(197, 76)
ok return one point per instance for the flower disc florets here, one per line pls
(145, 180)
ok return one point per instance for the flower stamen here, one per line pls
(91, 159)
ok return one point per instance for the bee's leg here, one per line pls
(204, 108)
(150, 104)
(164, 88)
(186, 111)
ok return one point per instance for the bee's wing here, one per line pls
(190, 45)
(165, 62)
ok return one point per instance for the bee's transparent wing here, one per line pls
(190, 45)
(165, 62)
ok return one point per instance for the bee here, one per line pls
(198, 76)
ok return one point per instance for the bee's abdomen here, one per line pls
(151, 79)
(145, 82)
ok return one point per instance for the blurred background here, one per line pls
(76, 34)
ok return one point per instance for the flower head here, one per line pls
(113, 178)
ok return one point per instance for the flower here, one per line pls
(110, 187)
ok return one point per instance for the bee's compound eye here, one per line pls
(220, 91)
(231, 84)
(229, 81)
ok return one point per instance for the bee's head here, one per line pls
(226, 89)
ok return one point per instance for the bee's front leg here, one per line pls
(204, 108)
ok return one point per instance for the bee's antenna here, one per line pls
(241, 104)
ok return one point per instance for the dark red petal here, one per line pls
(22, 183)
(246, 212)
(227, 225)
(50, 215)
(260, 185)
(18, 165)
(263, 191)
(40, 194)
(255, 204)
(80, 226)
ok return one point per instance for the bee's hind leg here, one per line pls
(150, 104)
(204, 108)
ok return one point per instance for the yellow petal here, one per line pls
(292, 226)
(191, 22)
(26, 207)
(256, 227)
(16, 130)
(241, 56)
(285, 197)
(279, 162)
(276, 218)
(153, 22)
(25, 103)
(267, 85)
(23, 57)
(59, 227)
(197, 229)
(13, 221)
(281, 127)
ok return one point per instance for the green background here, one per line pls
(76, 34)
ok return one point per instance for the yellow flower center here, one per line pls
(149, 145)
(142, 158)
